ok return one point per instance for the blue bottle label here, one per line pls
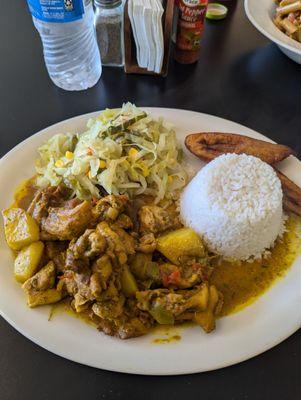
(56, 10)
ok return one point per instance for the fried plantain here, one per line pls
(292, 194)
(209, 145)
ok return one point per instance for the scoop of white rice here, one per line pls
(235, 204)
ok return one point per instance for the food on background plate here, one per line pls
(288, 18)
(99, 227)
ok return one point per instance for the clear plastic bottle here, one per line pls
(70, 48)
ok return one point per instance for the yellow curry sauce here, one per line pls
(170, 339)
(241, 283)
(24, 193)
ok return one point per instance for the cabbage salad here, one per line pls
(122, 151)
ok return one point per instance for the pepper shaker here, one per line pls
(109, 31)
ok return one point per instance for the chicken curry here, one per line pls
(126, 264)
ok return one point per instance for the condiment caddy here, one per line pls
(131, 64)
(138, 35)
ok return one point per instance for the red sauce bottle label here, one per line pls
(190, 26)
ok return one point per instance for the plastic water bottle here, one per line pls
(69, 41)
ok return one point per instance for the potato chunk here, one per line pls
(40, 289)
(42, 280)
(180, 244)
(128, 282)
(40, 298)
(27, 261)
(206, 318)
(20, 228)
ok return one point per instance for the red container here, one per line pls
(190, 27)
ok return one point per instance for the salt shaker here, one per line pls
(109, 31)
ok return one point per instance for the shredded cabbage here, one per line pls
(122, 151)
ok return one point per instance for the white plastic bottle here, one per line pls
(69, 41)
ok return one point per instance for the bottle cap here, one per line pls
(107, 3)
(216, 11)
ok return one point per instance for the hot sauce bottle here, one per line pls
(190, 27)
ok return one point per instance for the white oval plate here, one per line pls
(274, 317)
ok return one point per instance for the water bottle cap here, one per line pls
(107, 3)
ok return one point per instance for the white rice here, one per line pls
(235, 204)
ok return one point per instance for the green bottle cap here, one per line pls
(216, 11)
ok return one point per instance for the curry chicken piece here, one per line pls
(56, 251)
(109, 309)
(110, 207)
(119, 243)
(86, 287)
(147, 243)
(51, 196)
(103, 269)
(128, 321)
(155, 219)
(89, 245)
(105, 238)
(123, 221)
(61, 218)
(40, 288)
(200, 304)
(65, 223)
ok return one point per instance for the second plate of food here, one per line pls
(176, 277)
(262, 15)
